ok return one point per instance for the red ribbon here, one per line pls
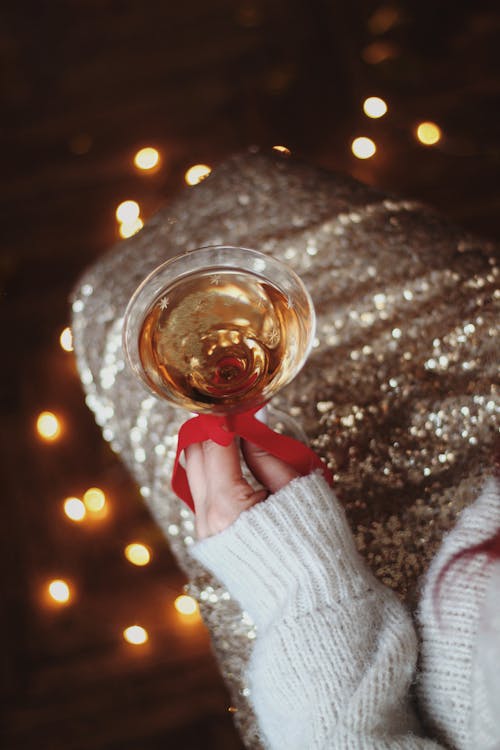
(224, 429)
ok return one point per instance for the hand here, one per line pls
(220, 493)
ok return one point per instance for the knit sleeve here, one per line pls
(335, 650)
(454, 690)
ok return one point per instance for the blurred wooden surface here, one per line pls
(84, 85)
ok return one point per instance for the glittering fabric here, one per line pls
(400, 392)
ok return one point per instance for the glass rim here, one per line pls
(207, 249)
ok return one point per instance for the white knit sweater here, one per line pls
(336, 652)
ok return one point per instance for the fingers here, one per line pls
(222, 465)
(220, 493)
(224, 476)
(270, 471)
(212, 470)
(219, 490)
(216, 469)
(195, 470)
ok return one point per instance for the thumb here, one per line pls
(271, 472)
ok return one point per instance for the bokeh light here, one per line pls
(129, 229)
(363, 147)
(428, 133)
(59, 591)
(197, 173)
(66, 339)
(378, 52)
(128, 212)
(94, 500)
(282, 150)
(374, 106)
(147, 158)
(383, 19)
(137, 553)
(48, 426)
(186, 605)
(136, 635)
(74, 509)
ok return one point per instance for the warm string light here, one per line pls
(383, 19)
(282, 150)
(374, 107)
(137, 554)
(128, 216)
(147, 158)
(186, 605)
(48, 426)
(74, 509)
(93, 503)
(363, 147)
(94, 500)
(428, 133)
(59, 591)
(66, 339)
(128, 230)
(378, 52)
(197, 173)
(127, 212)
(136, 635)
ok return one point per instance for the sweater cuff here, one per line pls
(296, 546)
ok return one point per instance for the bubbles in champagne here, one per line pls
(218, 339)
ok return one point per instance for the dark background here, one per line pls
(84, 84)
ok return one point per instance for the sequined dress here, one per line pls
(399, 395)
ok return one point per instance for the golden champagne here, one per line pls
(220, 341)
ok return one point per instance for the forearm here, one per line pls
(452, 688)
(335, 650)
(337, 678)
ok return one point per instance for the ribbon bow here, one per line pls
(223, 429)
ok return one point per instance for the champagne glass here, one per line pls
(219, 330)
